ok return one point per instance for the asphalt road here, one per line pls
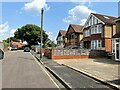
(20, 70)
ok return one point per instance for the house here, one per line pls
(18, 44)
(74, 35)
(116, 41)
(98, 31)
(61, 38)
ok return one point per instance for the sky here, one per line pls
(57, 15)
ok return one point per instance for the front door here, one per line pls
(117, 52)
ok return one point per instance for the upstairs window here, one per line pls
(87, 33)
(96, 29)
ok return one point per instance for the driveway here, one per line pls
(104, 69)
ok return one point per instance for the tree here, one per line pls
(31, 34)
(6, 42)
(49, 43)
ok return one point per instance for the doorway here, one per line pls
(117, 52)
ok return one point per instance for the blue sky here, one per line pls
(57, 15)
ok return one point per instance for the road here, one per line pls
(20, 70)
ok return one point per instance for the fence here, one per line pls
(73, 53)
(69, 52)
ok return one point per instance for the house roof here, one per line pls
(117, 35)
(117, 19)
(77, 28)
(19, 44)
(106, 19)
(61, 33)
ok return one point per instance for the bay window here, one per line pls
(87, 33)
(96, 29)
(96, 44)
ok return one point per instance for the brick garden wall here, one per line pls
(73, 53)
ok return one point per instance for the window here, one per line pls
(87, 33)
(93, 20)
(96, 44)
(99, 28)
(92, 44)
(92, 30)
(96, 29)
(99, 43)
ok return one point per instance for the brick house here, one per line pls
(18, 44)
(74, 35)
(61, 38)
(116, 41)
(98, 31)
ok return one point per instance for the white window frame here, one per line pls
(87, 33)
(96, 29)
(96, 44)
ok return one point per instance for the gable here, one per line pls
(70, 30)
(92, 20)
(59, 34)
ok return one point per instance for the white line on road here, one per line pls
(46, 72)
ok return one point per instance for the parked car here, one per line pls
(76, 47)
(109, 55)
(1, 54)
(14, 48)
(26, 49)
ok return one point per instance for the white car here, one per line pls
(14, 48)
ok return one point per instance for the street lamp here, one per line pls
(41, 37)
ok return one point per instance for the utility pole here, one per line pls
(9, 41)
(41, 37)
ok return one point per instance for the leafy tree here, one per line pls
(6, 42)
(49, 43)
(31, 34)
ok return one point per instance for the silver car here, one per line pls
(1, 54)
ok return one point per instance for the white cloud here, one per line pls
(78, 13)
(12, 32)
(4, 28)
(82, 2)
(36, 5)
(51, 36)
(82, 22)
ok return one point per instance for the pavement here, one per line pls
(105, 70)
(73, 79)
(20, 70)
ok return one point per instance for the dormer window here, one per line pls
(106, 17)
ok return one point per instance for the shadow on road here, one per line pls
(107, 61)
(117, 81)
(25, 58)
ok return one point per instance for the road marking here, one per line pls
(46, 72)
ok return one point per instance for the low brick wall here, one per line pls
(48, 53)
(73, 53)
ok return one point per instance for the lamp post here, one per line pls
(41, 37)
(9, 41)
